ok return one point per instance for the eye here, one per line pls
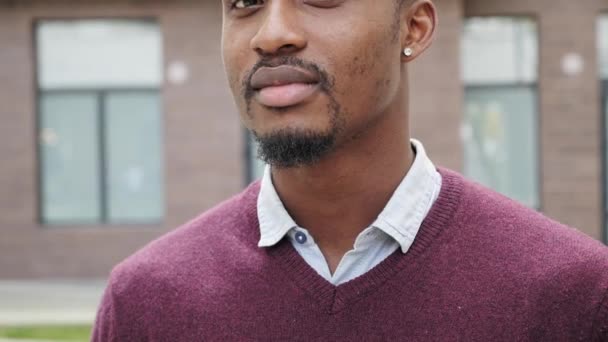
(242, 4)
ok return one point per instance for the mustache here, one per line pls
(325, 80)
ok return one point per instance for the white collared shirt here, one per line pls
(396, 226)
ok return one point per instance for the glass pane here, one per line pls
(499, 50)
(603, 45)
(500, 140)
(98, 53)
(69, 150)
(255, 165)
(134, 157)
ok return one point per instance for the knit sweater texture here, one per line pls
(482, 268)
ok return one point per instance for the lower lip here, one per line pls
(286, 95)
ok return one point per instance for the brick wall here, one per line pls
(203, 140)
(436, 92)
(571, 132)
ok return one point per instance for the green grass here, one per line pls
(49, 333)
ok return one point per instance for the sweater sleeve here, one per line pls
(105, 328)
(600, 324)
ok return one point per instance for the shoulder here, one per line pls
(201, 245)
(522, 242)
(547, 263)
(507, 224)
(525, 242)
(178, 271)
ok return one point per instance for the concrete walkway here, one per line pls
(49, 302)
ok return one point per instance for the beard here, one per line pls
(289, 148)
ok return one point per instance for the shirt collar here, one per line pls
(401, 217)
(274, 219)
(405, 211)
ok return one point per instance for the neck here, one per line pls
(341, 195)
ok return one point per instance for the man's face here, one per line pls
(310, 75)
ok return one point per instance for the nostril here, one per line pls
(283, 49)
(288, 48)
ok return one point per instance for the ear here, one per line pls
(418, 26)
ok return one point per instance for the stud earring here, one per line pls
(408, 52)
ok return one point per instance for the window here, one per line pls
(255, 166)
(99, 121)
(602, 43)
(500, 70)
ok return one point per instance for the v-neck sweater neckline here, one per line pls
(336, 298)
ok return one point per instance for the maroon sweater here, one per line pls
(482, 268)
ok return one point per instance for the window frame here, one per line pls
(100, 93)
(248, 157)
(534, 85)
(604, 134)
(603, 84)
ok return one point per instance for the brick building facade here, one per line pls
(205, 149)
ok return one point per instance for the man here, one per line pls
(352, 234)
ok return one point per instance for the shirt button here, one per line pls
(301, 238)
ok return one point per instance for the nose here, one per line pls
(279, 33)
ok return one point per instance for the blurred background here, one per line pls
(117, 125)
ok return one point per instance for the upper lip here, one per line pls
(281, 75)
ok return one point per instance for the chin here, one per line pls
(294, 146)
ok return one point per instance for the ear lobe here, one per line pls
(418, 26)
